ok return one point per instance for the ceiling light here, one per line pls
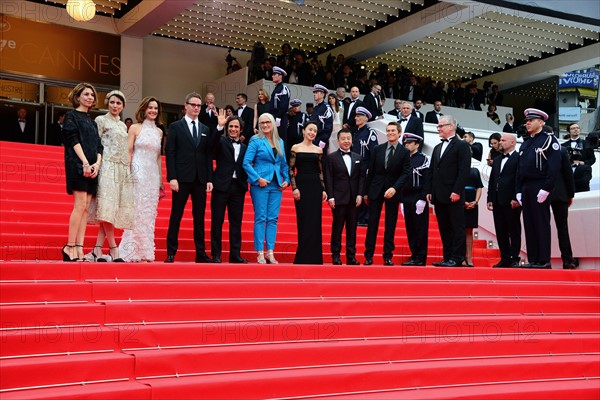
(81, 10)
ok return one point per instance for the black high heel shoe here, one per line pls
(80, 258)
(115, 259)
(98, 258)
(66, 256)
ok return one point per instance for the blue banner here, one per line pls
(579, 79)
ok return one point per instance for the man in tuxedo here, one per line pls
(246, 114)
(21, 129)
(229, 188)
(416, 209)
(54, 134)
(581, 156)
(502, 201)
(433, 116)
(412, 91)
(372, 102)
(344, 183)
(450, 167)
(209, 113)
(280, 102)
(389, 170)
(396, 112)
(350, 111)
(509, 126)
(416, 109)
(410, 123)
(476, 147)
(189, 172)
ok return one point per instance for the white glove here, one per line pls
(542, 196)
(519, 196)
(402, 209)
(420, 207)
(277, 122)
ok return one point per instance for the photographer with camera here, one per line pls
(581, 156)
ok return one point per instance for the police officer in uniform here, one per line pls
(363, 142)
(539, 164)
(415, 206)
(296, 120)
(322, 115)
(280, 102)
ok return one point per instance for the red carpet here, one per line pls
(159, 331)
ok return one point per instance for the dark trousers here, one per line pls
(536, 221)
(561, 219)
(197, 191)
(344, 215)
(417, 230)
(233, 201)
(391, 218)
(507, 222)
(451, 222)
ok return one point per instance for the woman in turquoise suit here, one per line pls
(268, 176)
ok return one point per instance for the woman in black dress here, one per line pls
(472, 195)
(494, 143)
(83, 154)
(261, 107)
(308, 191)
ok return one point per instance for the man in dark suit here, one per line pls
(416, 210)
(416, 109)
(502, 201)
(409, 122)
(433, 117)
(509, 126)
(476, 147)
(350, 110)
(389, 170)
(229, 188)
(561, 199)
(450, 167)
(344, 183)
(372, 102)
(54, 133)
(209, 113)
(246, 114)
(582, 158)
(21, 129)
(189, 172)
(412, 90)
(396, 111)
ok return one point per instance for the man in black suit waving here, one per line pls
(246, 114)
(502, 201)
(189, 172)
(389, 169)
(450, 167)
(344, 183)
(229, 188)
(209, 113)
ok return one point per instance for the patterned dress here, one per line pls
(138, 243)
(114, 200)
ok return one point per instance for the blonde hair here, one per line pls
(274, 132)
(264, 94)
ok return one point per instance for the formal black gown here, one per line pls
(473, 183)
(309, 180)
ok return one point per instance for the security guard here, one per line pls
(322, 115)
(416, 208)
(296, 120)
(280, 102)
(539, 164)
(363, 142)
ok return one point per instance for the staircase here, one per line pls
(185, 330)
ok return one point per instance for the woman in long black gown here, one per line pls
(308, 191)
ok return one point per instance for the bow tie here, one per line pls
(506, 155)
(21, 120)
(445, 140)
(233, 141)
(403, 120)
(240, 108)
(345, 153)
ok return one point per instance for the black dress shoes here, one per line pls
(387, 261)
(352, 261)
(414, 263)
(368, 261)
(439, 263)
(238, 260)
(503, 264)
(537, 265)
(336, 261)
(216, 260)
(448, 263)
(170, 258)
(203, 258)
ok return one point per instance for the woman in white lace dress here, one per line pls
(145, 137)
(113, 205)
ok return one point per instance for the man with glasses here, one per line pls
(581, 156)
(189, 172)
(450, 167)
(372, 102)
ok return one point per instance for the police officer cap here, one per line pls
(280, 71)
(411, 137)
(363, 111)
(295, 102)
(320, 88)
(533, 113)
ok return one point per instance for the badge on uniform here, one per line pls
(555, 146)
(373, 137)
(520, 153)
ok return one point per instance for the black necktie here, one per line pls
(388, 160)
(403, 120)
(195, 133)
